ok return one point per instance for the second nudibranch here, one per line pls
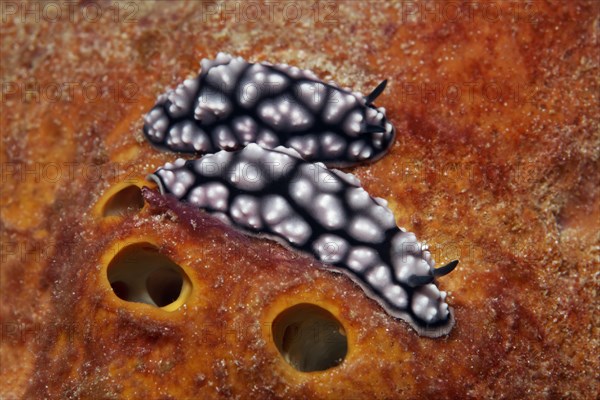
(232, 103)
(275, 193)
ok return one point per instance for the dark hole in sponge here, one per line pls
(127, 200)
(121, 289)
(139, 273)
(310, 338)
(164, 285)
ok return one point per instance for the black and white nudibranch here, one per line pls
(233, 102)
(275, 193)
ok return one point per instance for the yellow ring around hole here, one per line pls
(110, 198)
(309, 337)
(120, 249)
